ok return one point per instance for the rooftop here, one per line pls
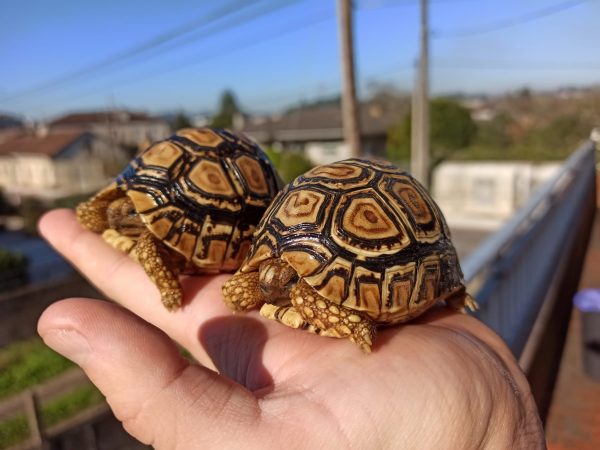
(50, 144)
(324, 121)
(94, 117)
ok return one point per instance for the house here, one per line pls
(483, 195)
(10, 126)
(47, 166)
(317, 129)
(129, 129)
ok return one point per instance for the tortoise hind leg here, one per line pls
(330, 319)
(148, 252)
(460, 301)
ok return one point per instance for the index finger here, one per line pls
(124, 280)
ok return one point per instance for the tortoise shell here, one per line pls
(202, 192)
(365, 235)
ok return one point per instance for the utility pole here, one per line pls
(350, 120)
(419, 161)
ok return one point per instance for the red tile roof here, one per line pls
(89, 118)
(50, 144)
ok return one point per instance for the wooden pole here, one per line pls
(420, 113)
(34, 421)
(350, 121)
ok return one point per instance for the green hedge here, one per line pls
(13, 270)
(16, 430)
(13, 430)
(289, 164)
(27, 363)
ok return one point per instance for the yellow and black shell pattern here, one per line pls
(364, 235)
(202, 192)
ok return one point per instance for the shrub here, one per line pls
(13, 270)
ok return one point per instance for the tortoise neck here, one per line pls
(123, 217)
(276, 279)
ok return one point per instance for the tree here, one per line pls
(31, 209)
(289, 164)
(496, 132)
(556, 140)
(451, 129)
(181, 121)
(5, 207)
(398, 140)
(13, 270)
(228, 108)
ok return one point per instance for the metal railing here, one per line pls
(515, 269)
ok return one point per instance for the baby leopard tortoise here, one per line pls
(186, 205)
(348, 247)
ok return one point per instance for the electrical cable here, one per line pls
(272, 34)
(510, 22)
(164, 40)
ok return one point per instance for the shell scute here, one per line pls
(202, 191)
(363, 224)
(364, 235)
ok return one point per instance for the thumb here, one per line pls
(160, 397)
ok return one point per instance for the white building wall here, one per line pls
(326, 152)
(7, 171)
(133, 133)
(34, 171)
(484, 195)
(84, 168)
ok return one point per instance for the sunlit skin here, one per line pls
(114, 211)
(442, 381)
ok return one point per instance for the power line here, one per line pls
(518, 65)
(283, 29)
(133, 51)
(378, 4)
(482, 64)
(172, 39)
(166, 42)
(510, 22)
(161, 43)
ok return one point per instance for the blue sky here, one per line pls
(273, 53)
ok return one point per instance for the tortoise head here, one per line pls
(276, 279)
(123, 217)
(110, 208)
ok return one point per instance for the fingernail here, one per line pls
(69, 343)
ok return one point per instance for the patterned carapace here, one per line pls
(202, 192)
(186, 205)
(365, 236)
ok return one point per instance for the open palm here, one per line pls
(443, 381)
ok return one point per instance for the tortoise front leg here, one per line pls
(92, 213)
(242, 291)
(330, 319)
(150, 255)
(287, 315)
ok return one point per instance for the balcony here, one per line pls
(524, 276)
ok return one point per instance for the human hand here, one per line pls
(442, 381)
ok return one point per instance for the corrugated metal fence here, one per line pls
(513, 271)
(525, 275)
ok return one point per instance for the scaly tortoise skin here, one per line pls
(348, 247)
(188, 204)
